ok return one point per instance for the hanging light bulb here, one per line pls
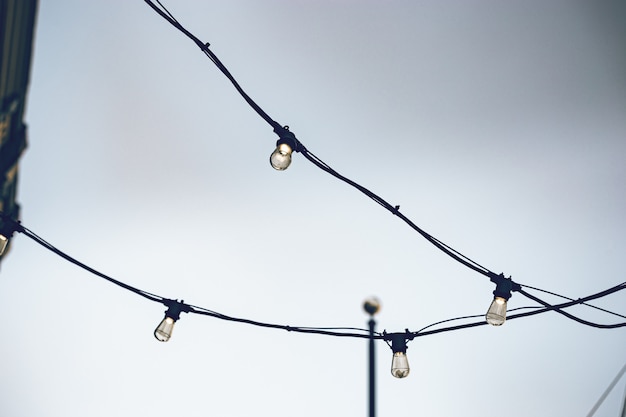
(399, 361)
(496, 315)
(4, 241)
(164, 330)
(8, 226)
(281, 157)
(400, 365)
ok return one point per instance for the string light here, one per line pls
(280, 160)
(176, 307)
(399, 361)
(164, 330)
(4, 241)
(287, 143)
(496, 314)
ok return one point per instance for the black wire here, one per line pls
(205, 48)
(571, 299)
(167, 11)
(459, 257)
(522, 308)
(296, 329)
(556, 307)
(328, 331)
(448, 320)
(42, 242)
(454, 254)
(395, 210)
(571, 316)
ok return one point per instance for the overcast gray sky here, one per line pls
(498, 127)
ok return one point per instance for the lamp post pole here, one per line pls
(371, 306)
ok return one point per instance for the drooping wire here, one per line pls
(456, 255)
(42, 242)
(18, 227)
(328, 331)
(295, 329)
(395, 210)
(205, 48)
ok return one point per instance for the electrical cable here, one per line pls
(546, 308)
(571, 316)
(299, 147)
(456, 255)
(145, 294)
(328, 331)
(448, 320)
(205, 48)
(318, 330)
(336, 331)
(571, 299)
(296, 329)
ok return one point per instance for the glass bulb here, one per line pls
(399, 365)
(496, 315)
(164, 331)
(4, 241)
(281, 157)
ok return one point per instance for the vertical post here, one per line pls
(371, 307)
(372, 369)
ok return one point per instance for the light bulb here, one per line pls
(281, 157)
(399, 365)
(496, 315)
(164, 331)
(4, 241)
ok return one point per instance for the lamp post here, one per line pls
(372, 306)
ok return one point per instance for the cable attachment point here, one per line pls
(8, 226)
(286, 137)
(164, 330)
(504, 286)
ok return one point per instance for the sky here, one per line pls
(498, 127)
